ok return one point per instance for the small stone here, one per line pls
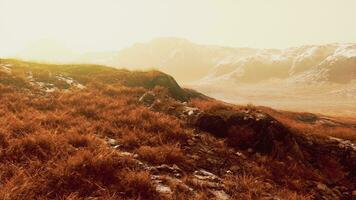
(148, 98)
(124, 153)
(111, 142)
(163, 189)
(321, 186)
(240, 155)
(205, 175)
(165, 168)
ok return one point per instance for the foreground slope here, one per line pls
(89, 131)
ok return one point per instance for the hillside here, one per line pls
(96, 132)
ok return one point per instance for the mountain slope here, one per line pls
(89, 131)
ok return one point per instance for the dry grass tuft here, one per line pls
(164, 154)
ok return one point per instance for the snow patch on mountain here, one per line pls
(347, 51)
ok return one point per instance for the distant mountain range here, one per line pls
(334, 63)
(185, 60)
(189, 62)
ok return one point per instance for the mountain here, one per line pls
(171, 55)
(314, 63)
(334, 63)
(97, 132)
(319, 78)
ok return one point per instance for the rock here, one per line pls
(321, 186)
(229, 172)
(111, 142)
(196, 137)
(214, 124)
(162, 184)
(251, 129)
(190, 111)
(180, 183)
(207, 184)
(165, 168)
(125, 153)
(163, 189)
(148, 98)
(205, 175)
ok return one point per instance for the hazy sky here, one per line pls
(98, 25)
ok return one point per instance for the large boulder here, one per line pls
(250, 129)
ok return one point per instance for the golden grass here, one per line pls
(53, 146)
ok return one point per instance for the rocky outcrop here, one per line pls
(251, 129)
